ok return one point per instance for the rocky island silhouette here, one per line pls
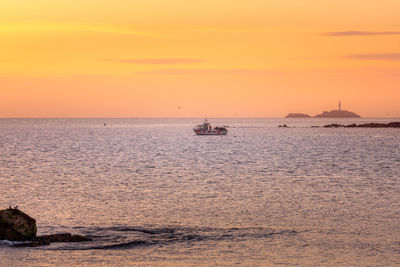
(337, 113)
(297, 115)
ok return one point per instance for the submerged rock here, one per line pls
(47, 239)
(16, 225)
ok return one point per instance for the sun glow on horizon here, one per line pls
(215, 59)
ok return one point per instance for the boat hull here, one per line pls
(210, 132)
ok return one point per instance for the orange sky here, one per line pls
(260, 58)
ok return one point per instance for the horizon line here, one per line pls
(190, 118)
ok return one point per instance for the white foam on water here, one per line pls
(11, 243)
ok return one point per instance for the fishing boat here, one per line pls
(207, 129)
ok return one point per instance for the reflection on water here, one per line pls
(151, 192)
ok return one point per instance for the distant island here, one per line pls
(338, 113)
(297, 115)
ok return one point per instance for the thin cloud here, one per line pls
(387, 57)
(178, 71)
(71, 27)
(359, 33)
(229, 29)
(158, 61)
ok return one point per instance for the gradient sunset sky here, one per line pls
(253, 58)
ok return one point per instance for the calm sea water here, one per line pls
(150, 192)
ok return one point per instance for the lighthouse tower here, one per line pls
(340, 106)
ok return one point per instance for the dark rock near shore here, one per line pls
(333, 125)
(377, 125)
(366, 125)
(394, 124)
(16, 225)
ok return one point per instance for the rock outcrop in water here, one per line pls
(16, 225)
(47, 239)
(395, 124)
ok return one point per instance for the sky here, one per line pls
(219, 58)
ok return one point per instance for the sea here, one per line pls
(152, 193)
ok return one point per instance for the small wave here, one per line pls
(143, 230)
(7, 243)
(116, 246)
(127, 245)
(127, 237)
